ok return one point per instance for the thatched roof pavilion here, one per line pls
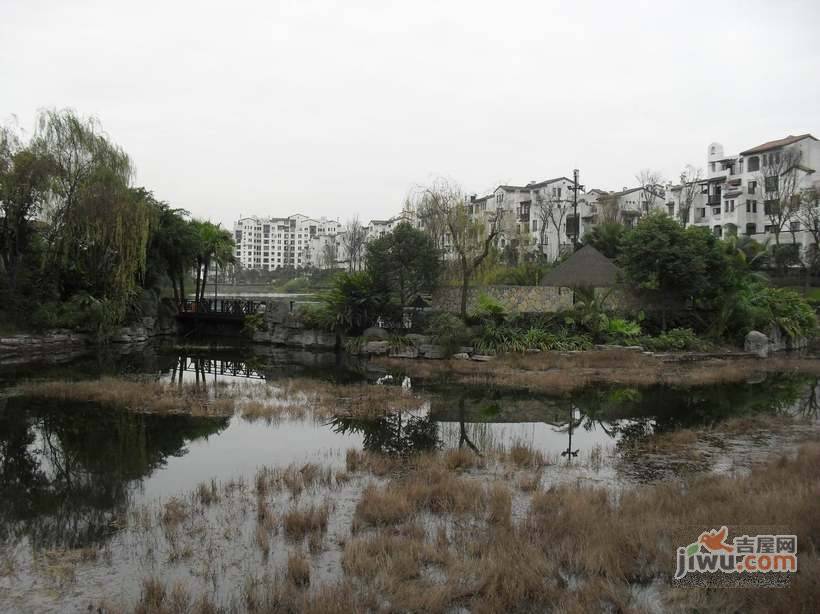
(586, 268)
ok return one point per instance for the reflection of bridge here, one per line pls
(210, 366)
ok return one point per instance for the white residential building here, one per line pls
(272, 243)
(736, 195)
(298, 241)
(537, 217)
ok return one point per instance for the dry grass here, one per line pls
(155, 598)
(207, 493)
(379, 506)
(293, 478)
(428, 487)
(499, 505)
(294, 399)
(433, 539)
(525, 456)
(548, 371)
(462, 458)
(147, 396)
(300, 521)
(608, 542)
(298, 570)
(174, 512)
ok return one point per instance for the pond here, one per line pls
(73, 472)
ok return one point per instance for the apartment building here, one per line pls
(539, 217)
(299, 241)
(272, 243)
(741, 192)
(536, 217)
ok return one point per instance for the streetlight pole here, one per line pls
(576, 222)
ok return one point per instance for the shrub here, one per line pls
(791, 312)
(81, 312)
(355, 301)
(253, 323)
(618, 330)
(675, 339)
(489, 309)
(506, 338)
(316, 316)
(448, 330)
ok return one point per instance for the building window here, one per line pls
(772, 183)
(752, 187)
(794, 226)
(770, 207)
(751, 229)
(534, 225)
(754, 164)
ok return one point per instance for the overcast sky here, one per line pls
(273, 108)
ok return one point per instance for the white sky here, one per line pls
(278, 107)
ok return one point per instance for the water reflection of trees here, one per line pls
(395, 433)
(630, 414)
(67, 469)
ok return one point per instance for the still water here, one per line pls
(68, 468)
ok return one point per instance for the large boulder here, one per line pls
(757, 343)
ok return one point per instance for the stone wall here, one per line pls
(515, 299)
(529, 299)
(281, 326)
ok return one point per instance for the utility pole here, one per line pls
(576, 222)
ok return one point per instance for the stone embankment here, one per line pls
(158, 318)
(282, 326)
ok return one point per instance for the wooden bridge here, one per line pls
(221, 309)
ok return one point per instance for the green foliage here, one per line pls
(618, 330)
(100, 240)
(489, 309)
(607, 238)
(398, 343)
(355, 301)
(449, 331)
(589, 313)
(252, 323)
(752, 305)
(82, 313)
(675, 269)
(790, 312)
(505, 338)
(678, 339)
(405, 261)
(354, 345)
(316, 316)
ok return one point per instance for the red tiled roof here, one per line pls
(777, 143)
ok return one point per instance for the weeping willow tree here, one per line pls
(98, 227)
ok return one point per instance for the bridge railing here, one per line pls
(226, 307)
